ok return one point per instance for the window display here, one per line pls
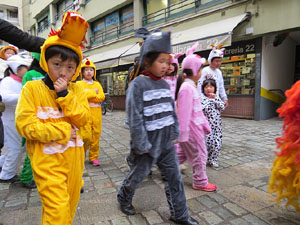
(239, 74)
(119, 79)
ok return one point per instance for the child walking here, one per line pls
(212, 107)
(10, 89)
(171, 75)
(192, 122)
(49, 114)
(95, 96)
(153, 128)
(35, 72)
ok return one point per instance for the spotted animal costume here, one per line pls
(212, 110)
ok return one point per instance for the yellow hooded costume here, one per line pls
(95, 95)
(45, 120)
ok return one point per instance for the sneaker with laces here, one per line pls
(95, 162)
(209, 188)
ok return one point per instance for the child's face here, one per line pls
(216, 63)
(88, 73)
(58, 68)
(208, 89)
(8, 53)
(171, 68)
(21, 71)
(160, 66)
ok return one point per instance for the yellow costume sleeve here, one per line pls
(75, 105)
(93, 97)
(30, 127)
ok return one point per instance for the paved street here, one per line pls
(242, 179)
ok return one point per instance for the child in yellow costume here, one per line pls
(285, 176)
(95, 96)
(49, 114)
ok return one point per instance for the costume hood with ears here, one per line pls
(15, 61)
(193, 61)
(158, 41)
(174, 58)
(88, 63)
(71, 35)
(12, 47)
(216, 52)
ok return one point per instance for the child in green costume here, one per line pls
(35, 72)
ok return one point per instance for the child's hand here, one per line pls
(97, 91)
(211, 95)
(60, 84)
(73, 133)
(175, 141)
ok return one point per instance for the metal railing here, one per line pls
(115, 32)
(59, 14)
(43, 27)
(182, 7)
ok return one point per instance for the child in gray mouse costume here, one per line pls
(154, 129)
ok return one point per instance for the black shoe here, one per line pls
(81, 190)
(30, 185)
(128, 209)
(189, 221)
(11, 180)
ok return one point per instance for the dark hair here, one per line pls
(151, 57)
(212, 82)
(63, 52)
(35, 65)
(174, 73)
(189, 73)
(215, 58)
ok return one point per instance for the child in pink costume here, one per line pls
(192, 122)
(171, 76)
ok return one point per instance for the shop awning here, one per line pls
(216, 33)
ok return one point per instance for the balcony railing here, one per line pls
(67, 9)
(43, 27)
(181, 8)
(119, 30)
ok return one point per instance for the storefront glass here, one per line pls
(239, 74)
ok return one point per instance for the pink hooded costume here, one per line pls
(192, 122)
(172, 80)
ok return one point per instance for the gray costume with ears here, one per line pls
(154, 127)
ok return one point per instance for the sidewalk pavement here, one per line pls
(242, 180)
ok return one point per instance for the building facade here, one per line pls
(261, 37)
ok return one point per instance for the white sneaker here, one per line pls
(215, 165)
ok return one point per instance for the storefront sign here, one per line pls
(241, 47)
(204, 44)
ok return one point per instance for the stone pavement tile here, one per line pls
(19, 203)
(253, 220)
(148, 198)
(4, 187)
(251, 199)
(195, 206)
(235, 209)
(250, 171)
(206, 201)
(103, 208)
(152, 217)
(222, 212)
(257, 183)
(11, 217)
(278, 215)
(210, 217)
(164, 212)
(189, 191)
(120, 221)
(137, 219)
(220, 199)
(102, 223)
(31, 216)
(240, 221)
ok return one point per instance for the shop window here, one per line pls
(43, 24)
(117, 23)
(1, 14)
(239, 74)
(119, 79)
(63, 6)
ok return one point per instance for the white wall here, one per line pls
(278, 64)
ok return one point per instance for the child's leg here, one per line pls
(180, 154)
(174, 188)
(215, 149)
(141, 169)
(196, 155)
(12, 142)
(58, 178)
(96, 133)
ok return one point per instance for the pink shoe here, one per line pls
(209, 188)
(95, 162)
